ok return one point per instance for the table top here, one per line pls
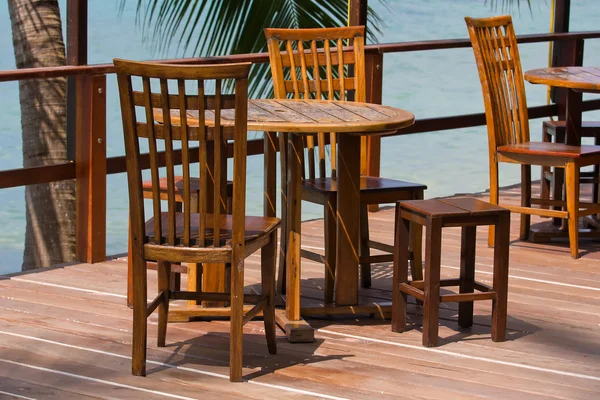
(309, 116)
(585, 79)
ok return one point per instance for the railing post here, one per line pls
(374, 81)
(77, 49)
(90, 168)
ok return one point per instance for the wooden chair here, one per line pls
(497, 56)
(172, 237)
(320, 58)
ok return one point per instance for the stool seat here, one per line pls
(436, 214)
(452, 207)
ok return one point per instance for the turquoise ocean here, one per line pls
(432, 83)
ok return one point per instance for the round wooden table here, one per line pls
(350, 120)
(578, 79)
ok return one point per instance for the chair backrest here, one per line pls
(321, 63)
(497, 56)
(141, 128)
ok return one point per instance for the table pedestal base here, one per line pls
(296, 331)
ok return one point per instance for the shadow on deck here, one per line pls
(66, 333)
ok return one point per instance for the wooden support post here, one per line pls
(374, 81)
(77, 49)
(90, 168)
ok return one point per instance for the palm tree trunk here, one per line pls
(50, 208)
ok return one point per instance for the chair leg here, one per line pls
(558, 179)
(268, 259)
(545, 183)
(237, 318)
(164, 285)
(525, 200)
(194, 280)
(140, 299)
(400, 274)
(365, 267)
(572, 194)
(330, 241)
(431, 303)
(500, 285)
(129, 267)
(494, 197)
(467, 274)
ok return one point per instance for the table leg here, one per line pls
(348, 224)
(573, 121)
(296, 329)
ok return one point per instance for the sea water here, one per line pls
(428, 83)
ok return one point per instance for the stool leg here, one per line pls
(596, 183)
(431, 303)
(467, 274)
(416, 246)
(499, 304)
(401, 240)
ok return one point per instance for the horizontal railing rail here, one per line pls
(101, 69)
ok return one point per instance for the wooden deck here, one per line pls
(65, 333)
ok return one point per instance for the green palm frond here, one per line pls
(217, 27)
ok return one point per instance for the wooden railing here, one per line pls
(90, 165)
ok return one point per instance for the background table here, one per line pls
(350, 120)
(578, 80)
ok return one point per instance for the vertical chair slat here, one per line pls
(329, 70)
(185, 162)
(168, 138)
(202, 165)
(217, 140)
(156, 204)
(303, 69)
(506, 72)
(293, 74)
(316, 70)
(341, 74)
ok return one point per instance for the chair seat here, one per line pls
(194, 186)
(548, 149)
(368, 184)
(256, 227)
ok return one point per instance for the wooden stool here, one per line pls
(467, 213)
